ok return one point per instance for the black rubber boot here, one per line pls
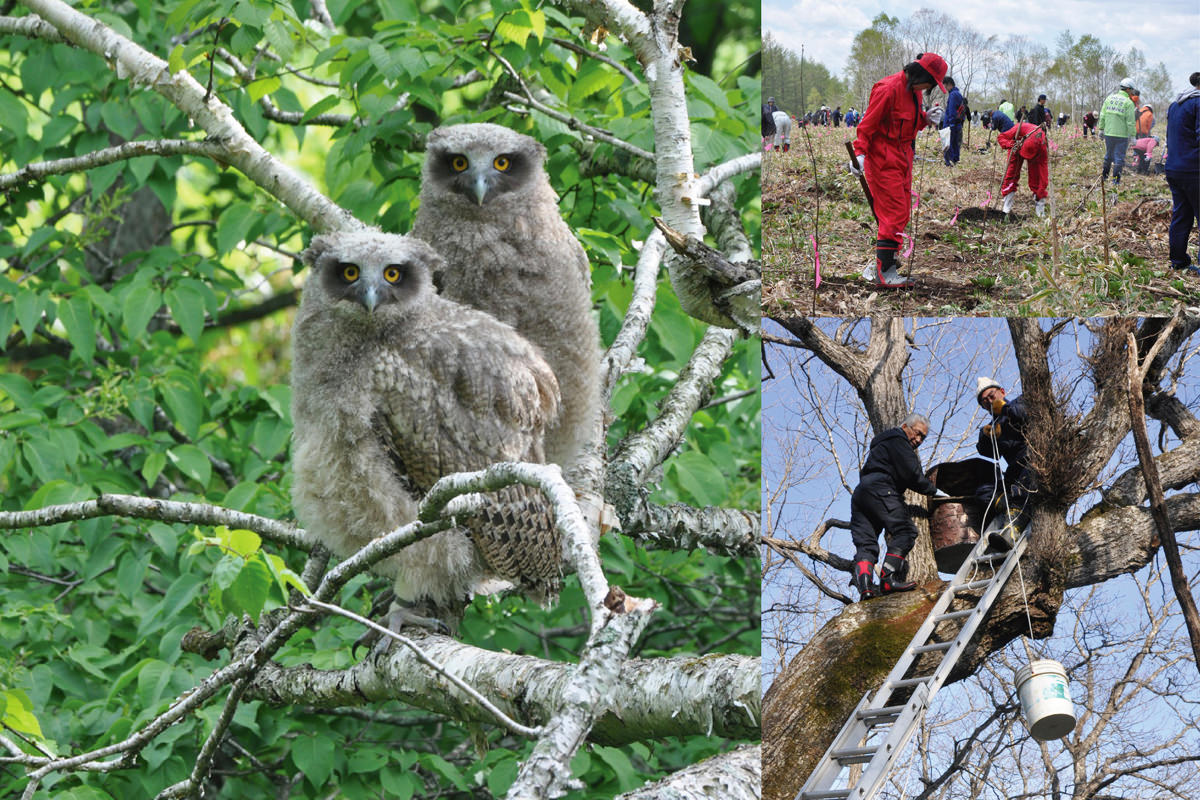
(886, 275)
(786, 146)
(1001, 534)
(895, 573)
(864, 580)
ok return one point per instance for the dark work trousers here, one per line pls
(1185, 195)
(876, 505)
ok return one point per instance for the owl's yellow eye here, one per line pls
(349, 272)
(501, 163)
(458, 163)
(393, 273)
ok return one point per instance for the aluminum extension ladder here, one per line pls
(877, 731)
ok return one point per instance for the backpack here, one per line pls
(964, 109)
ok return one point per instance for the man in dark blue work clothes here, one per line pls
(892, 466)
(1004, 437)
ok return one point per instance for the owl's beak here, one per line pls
(370, 298)
(480, 188)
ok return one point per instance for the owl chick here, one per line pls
(488, 208)
(394, 387)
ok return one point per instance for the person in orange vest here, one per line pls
(1027, 142)
(884, 152)
(1145, 121)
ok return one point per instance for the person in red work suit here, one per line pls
(884, 150)
(1031, 148)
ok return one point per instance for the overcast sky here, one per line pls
(1165, 30)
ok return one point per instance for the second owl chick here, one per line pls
(488, 208)
(394, 387)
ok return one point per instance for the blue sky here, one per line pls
(1166, 30)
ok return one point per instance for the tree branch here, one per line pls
(110, 155)
(123, 505)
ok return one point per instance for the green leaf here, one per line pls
(513, 30)
(384, 61)
(76, 317)
(700, 477)
(242, 542)
(19, 419)
(29, 305)
(13, 116)
(119, 118)
(262, 86)
(187, 307)
(18, 713)
(363, 760)
(320, 107)
(192, 462)
(139, 306)
(184, 402)
(233, 225)
(280, 38)
(441, 766)
(619, 763)
(711, 92)
(502, 775)
(399, 784)
(313, 755)
(18, 388)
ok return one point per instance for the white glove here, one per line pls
(857, 169)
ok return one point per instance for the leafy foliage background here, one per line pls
(162, 372)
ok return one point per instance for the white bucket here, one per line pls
(1046, 700)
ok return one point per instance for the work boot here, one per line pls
(1040, 208)
(893, 577)
(886, 274)
(786, 146)
(1008, 202)
(864, 580)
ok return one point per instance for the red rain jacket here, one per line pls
(885, 136)
(1035, 139)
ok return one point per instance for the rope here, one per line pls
(1007, 516)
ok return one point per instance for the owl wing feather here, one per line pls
(502, 396)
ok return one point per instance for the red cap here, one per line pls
(935, 65)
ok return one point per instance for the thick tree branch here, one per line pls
(32, 26)
(735, 775)
(711, 695)
(728, 531)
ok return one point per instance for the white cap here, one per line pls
(982, 383)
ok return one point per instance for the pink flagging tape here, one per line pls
(908, 250)
(816, 261)
(984, 204)
(954, 219)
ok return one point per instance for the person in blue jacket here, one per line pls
(1183, 174)
(892, 466)
(1004, 437)
(952, 119)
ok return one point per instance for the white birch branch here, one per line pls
(239, 148)
(713, 695)
(643, 451)
(110, 155)
(727, 531)
(32, 26)
(736, 775)
(586, 697)
(124, 505)
(621, 354)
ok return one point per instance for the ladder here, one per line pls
(880, 727)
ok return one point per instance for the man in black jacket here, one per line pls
(892, 466)
(1004, 437)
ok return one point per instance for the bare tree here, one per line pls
(1089, 522)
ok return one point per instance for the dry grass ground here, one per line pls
(979, 263)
